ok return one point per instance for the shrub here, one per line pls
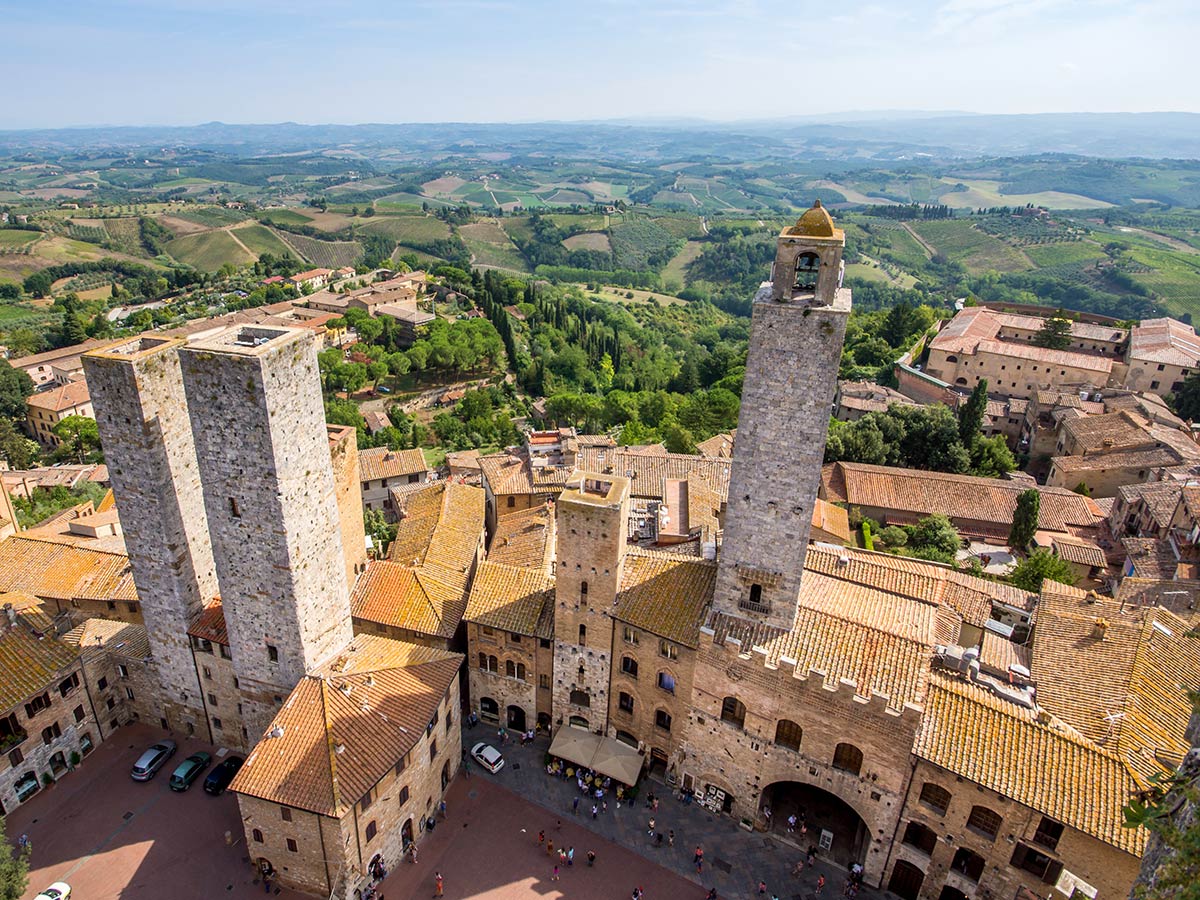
(894, 536)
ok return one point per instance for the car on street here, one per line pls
(189, 770)
(221, 775)
(60, 890)
(152, 760)
(488, 757)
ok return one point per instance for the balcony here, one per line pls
(8, 741)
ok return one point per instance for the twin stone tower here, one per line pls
(221, 463)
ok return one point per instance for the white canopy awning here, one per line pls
(607, 756)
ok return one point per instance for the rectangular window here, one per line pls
(667, 649)
(662, 719)
(50, 732)
(15, 757)
(111, 702)
(122, 671)
(291, 845)
(285, 813)
(212, 699)
(515, 638)
(216, 723)
(207, 671)
(1048, 833)
(367, 799)
(630, 635)
(131, 606)
(372, 830)
(432, 750)
(403, 795)
(78, 713)
(544, 682)
(36, 705)
(225, 654)
(233, 508)
(129, 693)
(402, 764)
(272, 653)
(102, 684)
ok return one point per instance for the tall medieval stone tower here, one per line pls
(591, 524)
(269, 492)
(137, 390)
(796, 334)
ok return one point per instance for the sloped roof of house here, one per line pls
(666, 595)
(344, 726)
(63, 571)
(60, 399)
(122, 638)
(512, 598)
(29, 661)
(377, 463)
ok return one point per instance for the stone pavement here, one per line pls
(734, 859)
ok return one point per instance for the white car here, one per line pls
(488, 757)
(60, 890)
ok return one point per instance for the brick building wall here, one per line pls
(221, 695)
(343, 452)
(492, 656)
(255, 405)
(652, 700)
(137, 388)
(950, 852)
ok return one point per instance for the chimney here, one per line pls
(1100, 629)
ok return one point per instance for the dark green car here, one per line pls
(188, 770)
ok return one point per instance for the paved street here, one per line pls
(734, 859)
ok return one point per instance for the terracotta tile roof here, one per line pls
(511, 473)
(1076, 550)
(1118, 674)
(961, 497)
(376, 421)
(1109, 432)
(1179, 597)
(974, 330)
(512, 598)
(1160, 499)
(719, 445)
(666, 595)
(110, 636)
(463, 459)
(345, 726)
(210, 624)
(29, 663)
(53, 356)
(1130, 459)
(376, 463)
(62, 571)
(1190, 498)
(648, 474)
(833, 520)
(1001, 746)
(522, 538)
(1152, 558)
(61, 398)
(998, 653)
(1165, 341)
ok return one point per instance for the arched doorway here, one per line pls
(489, 710)
(828, 818)
(406, 833)
(951, 893)
(658, 761)
(516, 718)
(578, 722)
(543, 721)
(906, 880)
(445, 775)
(626, 738)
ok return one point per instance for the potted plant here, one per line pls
(47, 779)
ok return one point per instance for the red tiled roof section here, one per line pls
(377, 463)
(666, 595)
(210, 624)
(63, 397)
(61, 571)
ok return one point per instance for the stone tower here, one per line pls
(796, 333)
(591, 525)
(137, 390)
(269, 491)
(343, 452)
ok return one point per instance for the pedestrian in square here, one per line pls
(820, 884)
(439, 886)
(575, 807)
(593, 810)
(591, 855)
(550, 848)
(554, 876)
(571, 856)
(762, 887)
(541, 838)
(650, 830)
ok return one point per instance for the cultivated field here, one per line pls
(960, 241)
(491, 246)
(589, 240)
(208, 251)
(329, 254)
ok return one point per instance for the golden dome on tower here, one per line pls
(816, 222)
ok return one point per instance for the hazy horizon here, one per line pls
(187, 62)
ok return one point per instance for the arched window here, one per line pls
(489, 709)
(583, 635)
(985, 822)
(935, 797)
(483, 661)
(960, 381)
(788, 734)
(951, 358)
(520, 671)
(969, 863)
(257, 835)
(626, 738)
(733, 711)
(493, 664)
(920, 836)
(666, 681)
(848, 758)
(578, 722)
(629, 666)
(510, 668)
(625, 702)
(807, 266)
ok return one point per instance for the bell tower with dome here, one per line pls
(796, 334)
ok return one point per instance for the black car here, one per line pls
(220, 777)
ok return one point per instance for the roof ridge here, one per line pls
(330, 742)
(46, 540)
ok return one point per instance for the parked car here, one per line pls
(221, 775)
(60, 890)
(384, 389)
(189, 770)
(488, 757)
(152, 760)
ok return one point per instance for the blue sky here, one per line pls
(188, 61)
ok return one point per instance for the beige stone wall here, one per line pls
(222, 698)
(498, 685)
(745, 761)
(319, 858)
(1102, 482)
(138, 392)
(1010, 375)
(591, 551)
(1157, 378)
(791, 375)
(270, 496)
(74, 718)
(343, 454)
(649, 698)
(1110, 870)
(376, 493)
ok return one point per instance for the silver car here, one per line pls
(152, 760)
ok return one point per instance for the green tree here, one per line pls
(80, 436)
(1186, 400)
(1025, 519)
(991, 458)
(1040, 565)
(14, 868)
(16, 449)
(934, 537)
(378, 529)
(72, 331)
(15, 386)
(970, 415)
(1055, 334)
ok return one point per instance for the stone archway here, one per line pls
(906, 880)
(516, 718)
(827, 817)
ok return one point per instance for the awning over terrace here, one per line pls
(600, 754)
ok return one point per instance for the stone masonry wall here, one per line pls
(222, 697)
(791, 375)
(505, 690)
(137, 390)
(343, 451)
(270, 497)
(648, 696)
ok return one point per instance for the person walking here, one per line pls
(554, 876)
(594, 810)
(762, 888)
(591, 855)
(671, 838)
(820, 884)
(541, 837)
(650, 829)
(571, 856)
(698, 859)
(575, 807)
(442, 809)
(791, 820)
(439, 885)
(550, 848)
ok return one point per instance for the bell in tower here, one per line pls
(808, 260)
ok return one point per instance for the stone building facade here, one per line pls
(797, 328)
(592, 521)
(137, 388)
(283, 581)
(343, 453)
